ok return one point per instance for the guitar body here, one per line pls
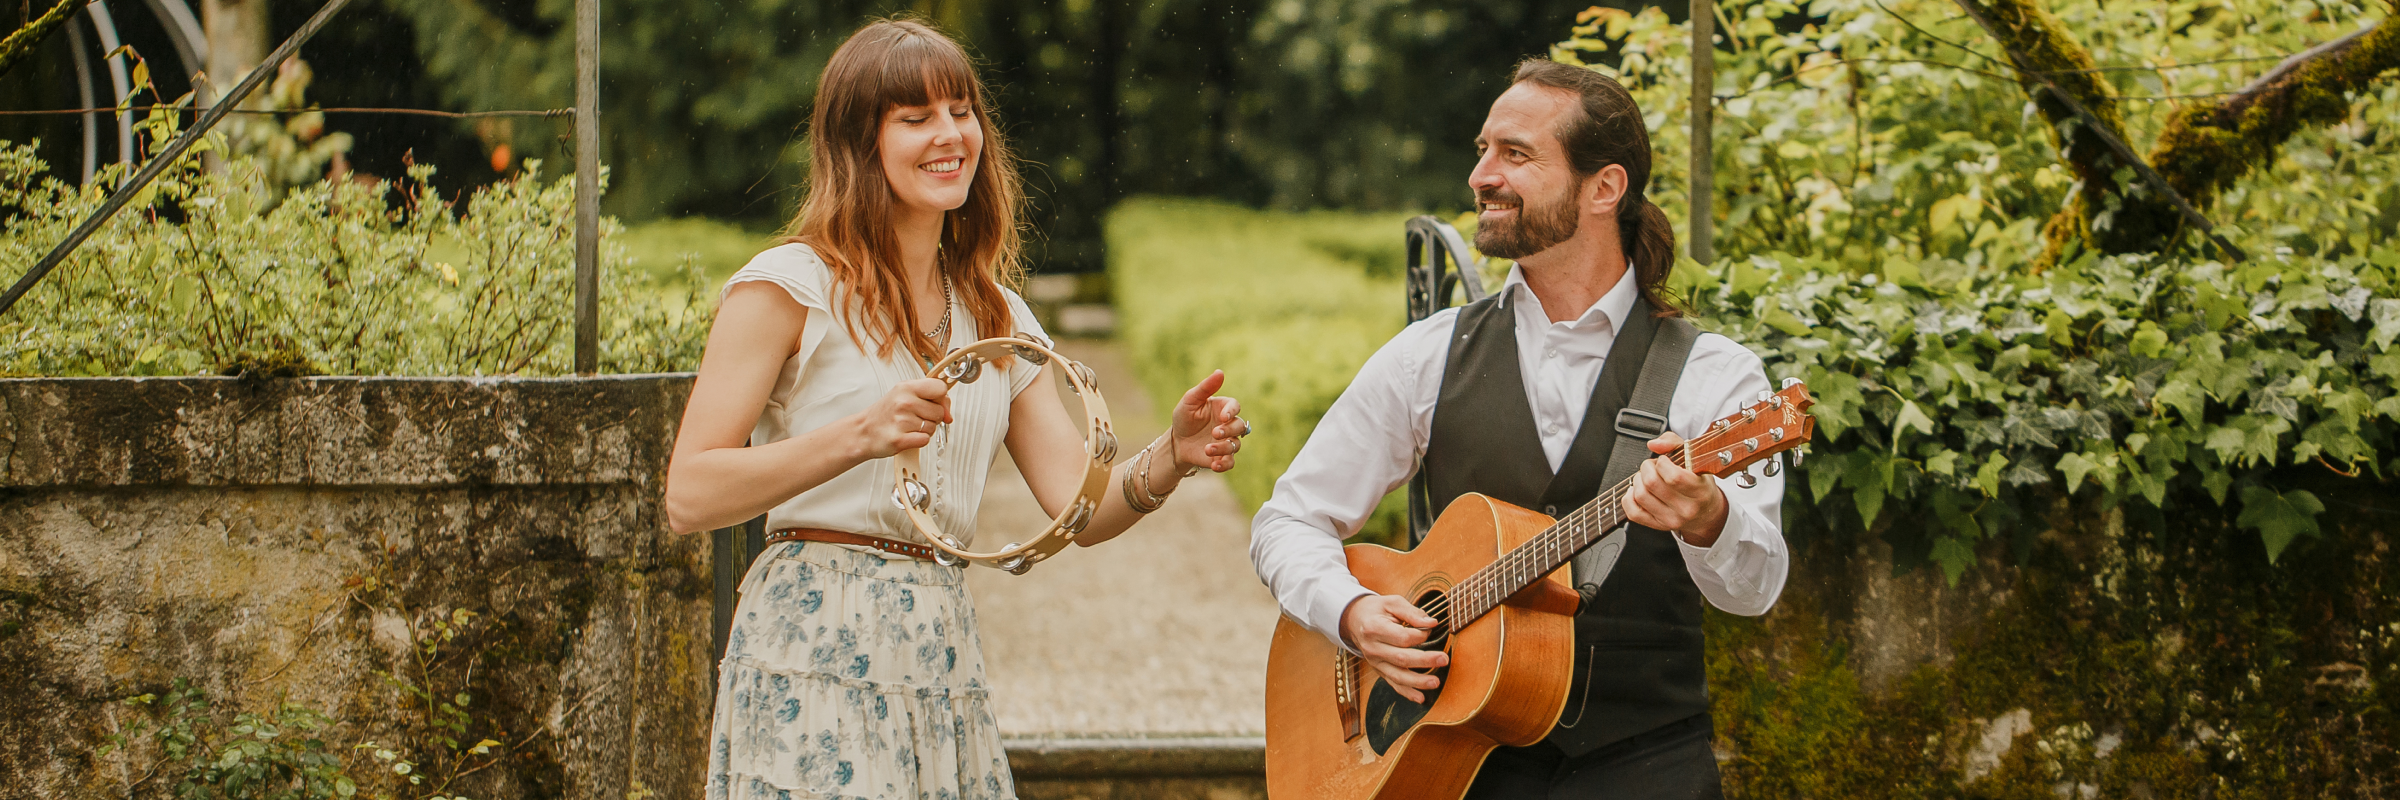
(1508, 677)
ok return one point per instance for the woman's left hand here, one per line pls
(1208, 430)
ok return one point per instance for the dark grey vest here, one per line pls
(1639, 648)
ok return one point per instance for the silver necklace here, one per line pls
(941, 333)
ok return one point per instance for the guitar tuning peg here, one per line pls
(1764, 396)
(1799, 455)
(1774, 466)
(1744, 479)
(1790, 382)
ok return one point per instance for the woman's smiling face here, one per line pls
(930, 153)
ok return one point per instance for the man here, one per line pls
(1559, 188)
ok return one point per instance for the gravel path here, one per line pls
(1162, 631)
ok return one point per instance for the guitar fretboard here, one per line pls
(1483, 591)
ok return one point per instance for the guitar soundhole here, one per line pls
(1389, 715)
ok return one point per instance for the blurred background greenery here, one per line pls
(1267, 103)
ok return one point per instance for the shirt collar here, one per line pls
(1610, 309)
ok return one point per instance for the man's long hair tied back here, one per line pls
(1610, 131)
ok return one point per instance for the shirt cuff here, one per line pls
(1328, 614)
(1723, 557)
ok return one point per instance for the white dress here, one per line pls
(851, 673)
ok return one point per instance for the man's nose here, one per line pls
(1484, 178)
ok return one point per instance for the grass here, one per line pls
(715, 247)
(1288, 304)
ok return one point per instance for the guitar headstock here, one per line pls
(1777, 422)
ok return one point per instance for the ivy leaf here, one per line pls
(1954, 557)
(1910, 417)
(1943, 463)
(2216, 482)
(2279, 517)
(1988, 478)
(2075, 465)
(2149, 341)
(2182, 395)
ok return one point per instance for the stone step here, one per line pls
(1154, 768)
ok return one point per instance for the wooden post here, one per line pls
(587, 187)
(1704, 82)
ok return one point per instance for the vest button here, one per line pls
(1550, 510)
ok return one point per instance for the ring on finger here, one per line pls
(1245, 429)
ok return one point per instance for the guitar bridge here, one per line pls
(1345, 694)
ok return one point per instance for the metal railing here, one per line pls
(1440, 267)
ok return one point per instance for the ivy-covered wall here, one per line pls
(2124, 658)
(468, 577)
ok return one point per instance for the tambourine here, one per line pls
(964, 365)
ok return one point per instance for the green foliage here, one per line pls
(1858, 131)
(1270, 299)
(208, 272)
(1882, 197)
(276, 757)
(1951, 397)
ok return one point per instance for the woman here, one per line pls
(853, 668)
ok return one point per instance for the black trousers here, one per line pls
(1673, 762)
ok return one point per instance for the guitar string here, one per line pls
(1518, 559)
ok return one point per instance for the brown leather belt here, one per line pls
(854, 539)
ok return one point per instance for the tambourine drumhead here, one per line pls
(965, 365)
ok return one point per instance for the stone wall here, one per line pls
(316, 541)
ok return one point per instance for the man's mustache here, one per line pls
(1498, 196)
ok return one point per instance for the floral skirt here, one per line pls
(848, 675)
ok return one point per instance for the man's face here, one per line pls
(1524, 187)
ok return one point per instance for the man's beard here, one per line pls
(1535, 228)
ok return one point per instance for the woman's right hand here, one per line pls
(905, 418)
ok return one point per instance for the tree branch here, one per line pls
(20, 44)
(2205, 147)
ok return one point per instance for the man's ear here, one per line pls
(1604, 190)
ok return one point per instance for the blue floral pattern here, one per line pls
(848, 675)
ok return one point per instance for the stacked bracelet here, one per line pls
(1140, 498)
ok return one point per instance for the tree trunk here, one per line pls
(237, 41)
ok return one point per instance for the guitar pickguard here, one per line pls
(1389, 715)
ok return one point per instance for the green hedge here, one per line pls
(1289, 305)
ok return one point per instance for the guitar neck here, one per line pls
(1544, 553)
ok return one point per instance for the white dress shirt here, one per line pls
(1369, 442)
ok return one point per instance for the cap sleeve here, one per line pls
(1020, 373)
(797, 269)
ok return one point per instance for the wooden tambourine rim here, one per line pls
(1100, 445)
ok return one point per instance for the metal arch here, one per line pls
(83, 89)
(1438, 264)
(183, 29)
(106, 26)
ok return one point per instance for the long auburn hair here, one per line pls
(887, 64)
(1610, 131)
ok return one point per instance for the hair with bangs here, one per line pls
(889, 64)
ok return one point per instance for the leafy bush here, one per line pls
(218, 272)
(1882, 205)
(275, 757)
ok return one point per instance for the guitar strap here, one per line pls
(1638, 383)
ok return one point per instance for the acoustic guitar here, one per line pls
(1490, 574)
